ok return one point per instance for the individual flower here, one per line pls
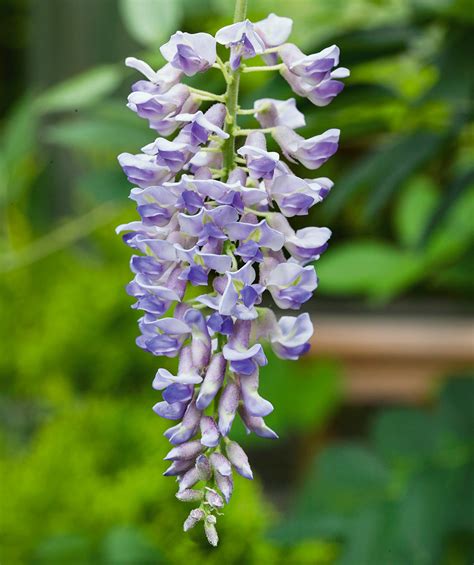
(312, 152)
(313, 68)
(291, 336)
(274, 31)
(200, 126)
(312, 76)
(158, 82)
(190, 52)
(171, 154)
(143, 170)
(291, 285)
(260, 162)
(243, 41)
(295, 196)
(253, 237)
(160, 109)
(208, 224)
(307, 244)
(271, 113)
(240, 294)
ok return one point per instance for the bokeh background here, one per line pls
(374, 465)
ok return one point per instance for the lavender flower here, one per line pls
(191, 53)
(214, 214)
(243, 40)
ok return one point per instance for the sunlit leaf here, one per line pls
(81, 90)
(150, 22)
(91, 135)
(415, 206)
(367, 267)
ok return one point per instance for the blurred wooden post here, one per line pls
(394, 360)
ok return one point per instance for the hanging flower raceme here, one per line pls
(214, 204)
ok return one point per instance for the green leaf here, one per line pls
(405, 436)
(455, 234)
(18, 165)
(456, 9)
(460, 185)
(374, 43)
(369, 537)
(415, 205)
(126, 545)
(93, 135)
(150, 22)
(81, 90)
(457, 401)
(104, 185)
(383, 171)
(344, 478)
(64, 548)
(424, 516)
(367, 267)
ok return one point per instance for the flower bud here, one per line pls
(214, 498)
(203, 468)
(189, 495)
(228, 404)
(225, 485)
(194, 517)
(209, 432)
(178, 467)
(188, 450)
(212, 381)
(239, 460)
(220, 464)
(210, 530)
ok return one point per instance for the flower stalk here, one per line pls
(214, 208)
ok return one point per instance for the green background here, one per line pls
(80, 449)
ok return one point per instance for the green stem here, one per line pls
(205, 95)
(246, 111)
(232, 98)
(263, 68)
(239, 131)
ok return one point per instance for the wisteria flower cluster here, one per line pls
(214, 214)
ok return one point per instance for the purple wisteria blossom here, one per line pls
(190, 53)
(243, 40)
(214, 204)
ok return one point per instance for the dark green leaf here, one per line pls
(128, 546)
(405, 436)
(456, 404)
(382, 172)
(454, 191)
(374, 43)
(344, 478)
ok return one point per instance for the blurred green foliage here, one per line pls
(80, 450)
(90, 483)
(406, 498)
